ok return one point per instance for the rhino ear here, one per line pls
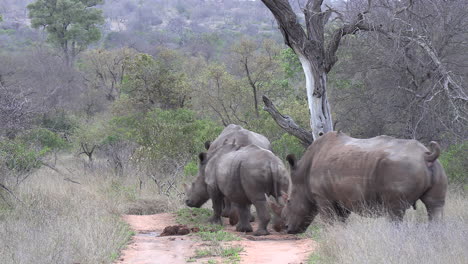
(291, 158)
(186, 188)
(207, 144)
(202, 156)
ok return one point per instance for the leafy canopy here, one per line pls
(70, 24)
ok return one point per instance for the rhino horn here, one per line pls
(274, 205)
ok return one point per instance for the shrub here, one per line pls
(44, 138)
(287, 144)
(20, 157)
(455, 162)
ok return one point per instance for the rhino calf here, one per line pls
(339, 174)
(232, 133)
(244, 175)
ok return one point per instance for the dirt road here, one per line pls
(147, 247)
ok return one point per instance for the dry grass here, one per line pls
(65, 222)
(376, 240)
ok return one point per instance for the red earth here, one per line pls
(147, 247)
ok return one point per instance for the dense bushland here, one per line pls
(118, 130)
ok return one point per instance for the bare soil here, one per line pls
(147, 247)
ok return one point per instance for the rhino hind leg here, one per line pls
(263, 218)
(434, 207)
(244, 215)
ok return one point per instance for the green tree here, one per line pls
(157, 82)
(259, 66)
(71, 24)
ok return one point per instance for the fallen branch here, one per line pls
(11, 193)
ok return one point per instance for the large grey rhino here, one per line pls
(339, 174)
(232, 133)
(244, 175)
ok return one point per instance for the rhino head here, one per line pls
(298, 211)
(197, 194)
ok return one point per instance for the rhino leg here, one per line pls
(217, 200)
(251, 217)
(244, 215)
(227, 208)
(263, 218)
(434, 207)
(233, 216)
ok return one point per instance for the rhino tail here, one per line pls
(433, 154)
(274, 177)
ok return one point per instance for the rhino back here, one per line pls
(242, 137)
(379, 169)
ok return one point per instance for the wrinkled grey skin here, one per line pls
(338, 175)
(196, 194)
(244, 175)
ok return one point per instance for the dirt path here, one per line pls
(148, 248)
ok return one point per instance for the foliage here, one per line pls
(455, 162)
(157, 82)
(59, 122)
(89, 136)
(223, 95)
(169, 133)
(26, 152)
(105, 70)
(71, 24)
(287, 144)
(19, 156)
(45, 139)
(290, 63)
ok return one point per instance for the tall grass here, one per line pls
(66, 222)
(415, 240)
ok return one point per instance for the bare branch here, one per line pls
(287, 123)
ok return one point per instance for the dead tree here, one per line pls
(315, 54)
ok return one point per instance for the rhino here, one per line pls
(232, 133)
(339, 174)
(245, 175)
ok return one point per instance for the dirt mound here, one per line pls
(178, 230)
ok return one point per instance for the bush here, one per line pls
(287, 144)
(20, 157)
(455, 162)
(172, 133)
(44, 138)
(59, 122)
